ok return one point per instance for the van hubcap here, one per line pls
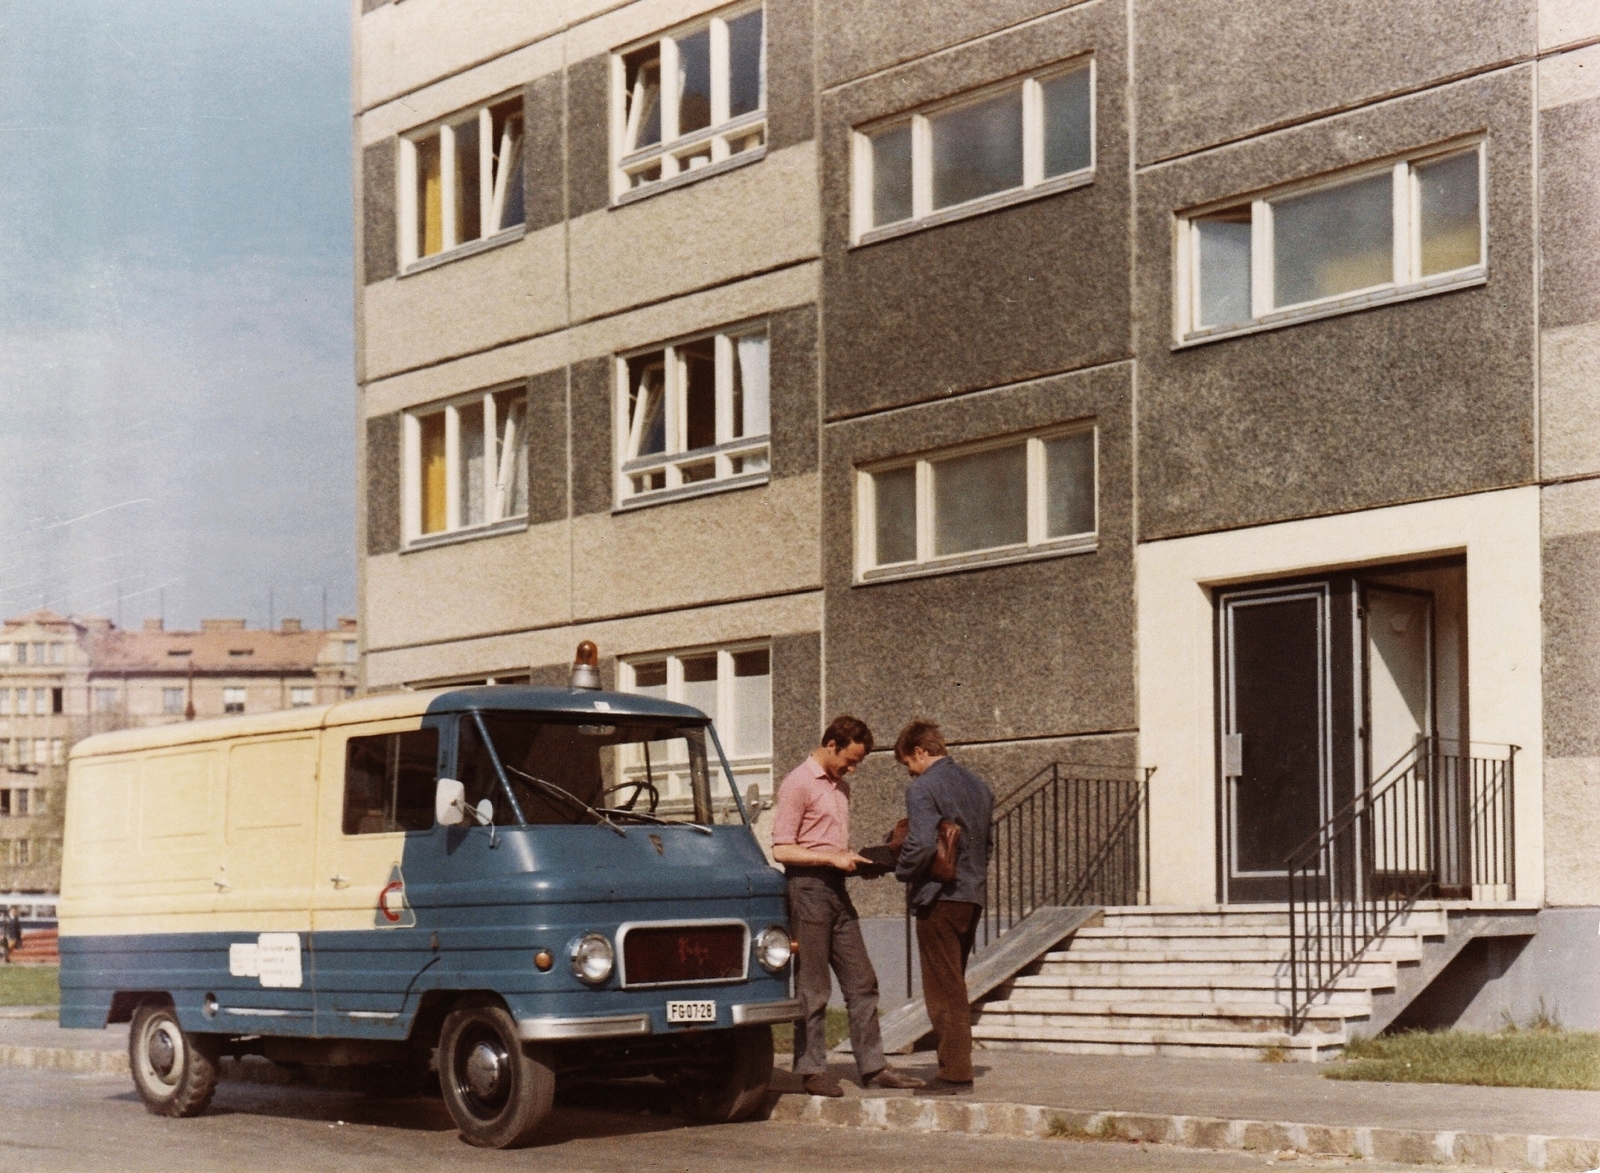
(486, 1067)
(163, 1052)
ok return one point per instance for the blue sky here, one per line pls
(176, 371)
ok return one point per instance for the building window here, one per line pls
(1014, 141)
(58, 752)
(41, 702)
(349, 691)
(5, 702)
(58, 700)
(733, 686)
(351, 649)
(1393, 230)
(172, 701)
(389, 782)
(466, 464)
(58, 653)
(692, 99)
(233, 700)
(693, 415)
(1017, 497)
(21, 849)
(105, 700)
(300, 697)
(22, 653)
(461, 181)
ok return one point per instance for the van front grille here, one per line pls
(659, 955)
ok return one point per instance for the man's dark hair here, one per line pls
(920, 734)
(844, 731)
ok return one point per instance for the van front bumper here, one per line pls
(612, 1026)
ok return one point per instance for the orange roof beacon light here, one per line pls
(586, 666)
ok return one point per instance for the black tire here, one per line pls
(735, 1086)
(174, 1072)
(498, 1089)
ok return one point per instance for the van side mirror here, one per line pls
(753, 804)
(449, 803)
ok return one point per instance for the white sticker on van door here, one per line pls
(274, 958)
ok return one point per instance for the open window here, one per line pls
(693, 415)
(461, 181)
(691, 99)
(466, 466)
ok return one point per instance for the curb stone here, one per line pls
(1394, 1145)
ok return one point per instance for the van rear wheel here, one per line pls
(174, 1072)
(498, 1090)
(735, 1085)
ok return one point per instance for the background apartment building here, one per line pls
(62, 679)
(1205, 387)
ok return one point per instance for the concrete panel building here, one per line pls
(1202, 390)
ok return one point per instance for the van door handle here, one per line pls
(223, 885)
(339, 881)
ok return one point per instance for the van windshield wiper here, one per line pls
(624, 812)
(552, 789)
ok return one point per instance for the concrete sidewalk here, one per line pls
(1193, 1103)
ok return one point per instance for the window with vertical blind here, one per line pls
(461, 181)
(466, 465)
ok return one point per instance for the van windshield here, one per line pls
(640, 771)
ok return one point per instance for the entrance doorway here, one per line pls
(1324, 686)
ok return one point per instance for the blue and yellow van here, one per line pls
(506, 884)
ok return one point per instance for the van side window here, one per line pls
(389, 782)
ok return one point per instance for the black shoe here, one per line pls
(944, 1087)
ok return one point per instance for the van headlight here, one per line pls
(592, 959)
(772, 948)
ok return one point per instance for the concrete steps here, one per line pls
(1202, 980)
(39, 947)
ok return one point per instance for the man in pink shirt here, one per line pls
(811, 839)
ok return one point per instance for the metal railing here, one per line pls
(1438, 824)
(1064, 839)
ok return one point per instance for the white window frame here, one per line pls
(1038, 543)
(234, 695)
(1406, 281)
(166, 696)
(1035, 184)
(406, 204)
(302, 696)
(674, 150)
(673, 461)
(411, 468)
(746, 768)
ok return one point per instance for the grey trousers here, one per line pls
(824, 921)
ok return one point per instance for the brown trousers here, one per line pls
(945, 933)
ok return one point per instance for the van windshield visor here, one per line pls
(585, 772)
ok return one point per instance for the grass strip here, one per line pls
(30, 985)
(838, 1031)
(1511, 1058)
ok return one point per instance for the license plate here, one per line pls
(691, 1011)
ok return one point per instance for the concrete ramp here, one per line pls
(1030, 939)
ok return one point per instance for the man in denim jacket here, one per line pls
(947, 912)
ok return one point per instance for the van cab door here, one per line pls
(375, 810)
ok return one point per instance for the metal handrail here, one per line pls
(1060, 839)
(1439, 822)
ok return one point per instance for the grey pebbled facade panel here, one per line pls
(588, 141)
(1571, 566)
(1213, 71)
(1024, 291)
(1031, 649)
(1426, 398)
(544, 159)
(379, 238)
(592, 452)
(791, 90)
(383, 484)
(793, 341)
(796, 699)
(1569, 214)
(547, 447)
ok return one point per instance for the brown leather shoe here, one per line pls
(893, 1079)
(823, 1083)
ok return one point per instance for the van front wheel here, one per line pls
(174, 1073)
(498, 1089)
